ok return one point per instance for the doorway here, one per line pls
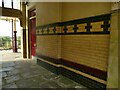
(10, 39)
(32, 24)
(10, 35)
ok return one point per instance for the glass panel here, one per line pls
(8, 3)
(16, 4)
(0, 3)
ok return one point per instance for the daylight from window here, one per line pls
(8, 4)
(16, 4)
(0, 3)
(6, 28)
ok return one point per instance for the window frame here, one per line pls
(9, 6)
(12, 5)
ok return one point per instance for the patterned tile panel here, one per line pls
(91, 25)
(58, 29)
(70, 28)
(51, 30)
(96, 26)
(81, 27)
(45, 30)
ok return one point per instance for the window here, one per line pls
(16, 4)
(0, 3)
(8, 3)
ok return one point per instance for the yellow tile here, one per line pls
(58, 29)
(51, 30)
(96, 26)
(70, 28)
(110, 24)
(62, 29)
(81, 27)
(40, 31)
(45, 31)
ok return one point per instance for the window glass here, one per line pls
(16, 4)
(8, 3)
(0, 3)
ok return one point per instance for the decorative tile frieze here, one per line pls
(58, 29)
(88, 27)
(48, 30)
(91, 25)
(45, 31)
(109, 27)
(106, 25)
(96, 26)
(65, 29)
(51, 30)
(54, 30)
(62, 27)
(70, 28)
(75, 28)
(81, 28)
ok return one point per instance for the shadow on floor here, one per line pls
(25, 73)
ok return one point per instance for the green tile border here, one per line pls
(89, 83)
(91, 71)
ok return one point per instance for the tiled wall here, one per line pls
(89, 50)
(47, 45)
(81, 45)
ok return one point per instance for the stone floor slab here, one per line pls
(11, 85)
(54, 84)
(6, 69)
(3, 81)
(13, 72)
(3, 74)
(12, 78)
(28, 83)
(49, 76)
(29, 74)
(66, 81)
(8, 64)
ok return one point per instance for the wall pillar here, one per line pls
(15, 41)
(14, 37)
(24, 30)
(112, 80)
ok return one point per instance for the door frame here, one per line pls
(29, 32)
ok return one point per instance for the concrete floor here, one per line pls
(16, 72)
